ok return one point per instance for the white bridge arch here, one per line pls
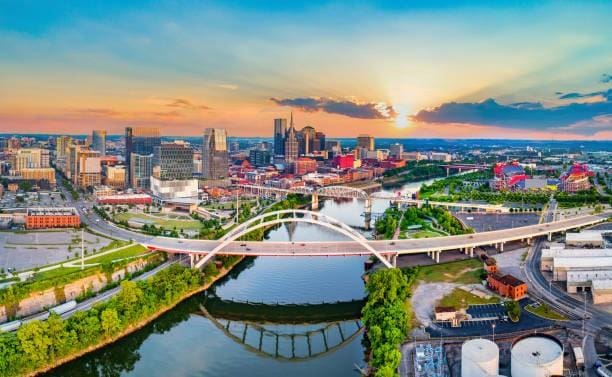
(291, 216)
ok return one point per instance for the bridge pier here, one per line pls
(438, 256)
(549, 236)
(367, 213)
(191, 260)
(315, 201)
(447, 171)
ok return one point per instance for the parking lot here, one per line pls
(33, 199)
(482, 322)
(24, 250)
(494, 221)
(487, 311)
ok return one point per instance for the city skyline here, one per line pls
(415, 71)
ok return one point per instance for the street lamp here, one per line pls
(493, 327)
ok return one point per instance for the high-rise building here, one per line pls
(140, 140)
(61, 146)
(89, 169)
(98, 141)
(365, 141)
(72, 154)
(319, 142)
(173, 161)
(396, 150)
(291, 143)
(306, 138)
(280, 129)
(115, 176)
(141, 169)
(29, 158)
(259, 157)
(215, 159)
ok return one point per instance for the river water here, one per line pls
(207, 335)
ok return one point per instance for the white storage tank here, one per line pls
(537, 356)
(479, 358)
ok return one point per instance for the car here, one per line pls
(243, 244)
(303, 244)
(392, 244)
(248, 249)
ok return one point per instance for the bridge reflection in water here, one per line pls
(287, 332)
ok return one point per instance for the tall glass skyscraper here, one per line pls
(280, 128)
(140, 140)
(291, 143)
(98, 141)
(215, 158)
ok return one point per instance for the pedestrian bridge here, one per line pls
(386, 251)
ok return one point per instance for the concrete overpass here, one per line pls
(387, 251)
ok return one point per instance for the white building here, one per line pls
(169, 190)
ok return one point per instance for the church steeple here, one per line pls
(291, 121)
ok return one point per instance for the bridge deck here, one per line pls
(349, 247)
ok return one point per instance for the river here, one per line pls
(206, 335)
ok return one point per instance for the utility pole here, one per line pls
(82, 250)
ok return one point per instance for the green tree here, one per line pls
(34, 342)
(110, 322)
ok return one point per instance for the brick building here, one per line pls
(40, 218)
(507, 286)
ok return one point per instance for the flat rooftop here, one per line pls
(584, 263)
(575, 253)
(585, 236)
(52, 211)
(582, 275)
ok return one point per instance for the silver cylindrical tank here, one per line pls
(479, 358)
(537, 356)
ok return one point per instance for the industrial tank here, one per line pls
(537, 356)
(479, 358)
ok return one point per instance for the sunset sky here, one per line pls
(431, 69)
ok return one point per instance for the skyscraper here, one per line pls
(319, 142)
(291, 143)
(88, 169)
(306, 138)
(61, 144)
(396, 150)
(173, 161)
(141, 140)
(98, 141)
(141, 169)
(215, 162)
(280, 129)
(365, 141)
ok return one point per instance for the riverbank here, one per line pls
(222, 272)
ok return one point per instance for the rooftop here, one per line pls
(584, 262)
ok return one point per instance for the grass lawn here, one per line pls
(167, 224)
(424, 234)
(131, 251)
(57, 272)
(459, 298)
(128, 252)
(462, 272)
(545, 311)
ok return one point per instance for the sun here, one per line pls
(401, 119)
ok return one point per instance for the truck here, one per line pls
(579, 356)
(63, 308)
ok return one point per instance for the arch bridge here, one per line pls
(292, 216)
(315, 342)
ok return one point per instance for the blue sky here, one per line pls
(380, 67)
